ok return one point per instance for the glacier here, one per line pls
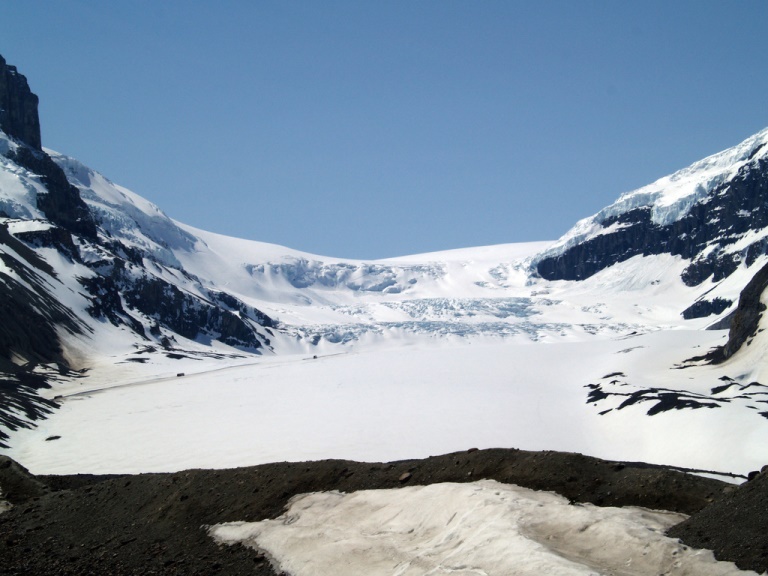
(377, 360)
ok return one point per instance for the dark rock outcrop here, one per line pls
(123, 292)
(720, 219)
(746, 318)
(734, 527)
(19, 119)
(28, 335)
(704, 308)
(18, 107)
(62, 204)
(192, 317)
(17, 485)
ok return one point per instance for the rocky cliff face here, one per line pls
(61, 204)
(30, 351)
(18, 107)
(746, 318)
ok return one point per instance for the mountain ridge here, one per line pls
(704, 213)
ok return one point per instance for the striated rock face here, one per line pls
(18, 107)
(29, 320)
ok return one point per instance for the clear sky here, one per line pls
(365, 129)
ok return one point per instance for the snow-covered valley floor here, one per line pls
(397, 402)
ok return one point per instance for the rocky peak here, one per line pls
(18, 107)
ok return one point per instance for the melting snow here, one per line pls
(484, 528)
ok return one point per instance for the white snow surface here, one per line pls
(483, 527)
(396, 402)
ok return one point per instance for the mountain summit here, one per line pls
(18, 107)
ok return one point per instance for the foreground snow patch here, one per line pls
(467, 529)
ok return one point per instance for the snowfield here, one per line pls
(403, 400)
(462, 349)
(484, 528)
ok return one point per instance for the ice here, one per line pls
(124, 214)
(481, 528)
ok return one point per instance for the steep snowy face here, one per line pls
(86, 270)
(124, 215)
(713, 213)
(116, 251)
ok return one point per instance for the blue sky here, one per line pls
(374, 129)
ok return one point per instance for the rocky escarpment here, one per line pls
(705, 235)
(18, 107)
(746, 318)
(62, 203)
(30, 351)
(703, 308)
(127, 295)
(19, 119)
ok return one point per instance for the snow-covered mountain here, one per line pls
(711, 213)
(183, 346)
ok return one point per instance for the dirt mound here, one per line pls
(735, 526)
(154, 523)
(17, 484)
